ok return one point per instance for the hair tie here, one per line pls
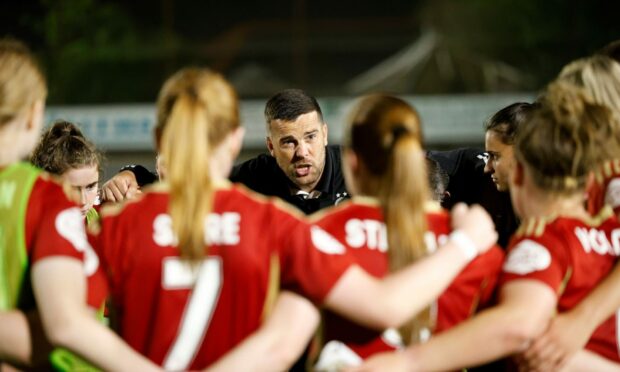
(397, 131)
(570, 182)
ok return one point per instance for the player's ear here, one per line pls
(237, 141)
(517, 174)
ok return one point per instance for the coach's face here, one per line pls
(501, 160)
(299, 148)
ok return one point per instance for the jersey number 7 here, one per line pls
(205, 280)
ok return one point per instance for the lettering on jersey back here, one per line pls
(373, 235)
(223, 229)
(7, 192)
(70, 225)
(593, 240)
(220, 229)
(324, 242)
(366, 233)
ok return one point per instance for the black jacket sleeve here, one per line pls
(143, 175)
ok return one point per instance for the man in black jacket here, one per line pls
(300, 167)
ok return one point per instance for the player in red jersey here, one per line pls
(385, 169)
(44, 252)
(64, 151)
(195, 262)
(599, 75)
(559, 254)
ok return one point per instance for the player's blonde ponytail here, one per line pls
(385, 134)
(197, 108)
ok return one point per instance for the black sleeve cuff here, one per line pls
(143, 175)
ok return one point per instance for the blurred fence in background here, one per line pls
(124, 132)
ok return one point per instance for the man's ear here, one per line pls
(325, 132)
(269, 145)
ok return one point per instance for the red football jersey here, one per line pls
(571, 256)
(51, 226)
(186, 317)
(605, 190)
(55, 227)
(359, 226)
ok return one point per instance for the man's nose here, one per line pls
(302, 150)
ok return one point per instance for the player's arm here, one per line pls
(570, 331)
(585, 360)
(279, 341)
(14, 338)
(399, 296)
(22, 341)
(523, 312)
(60, 286)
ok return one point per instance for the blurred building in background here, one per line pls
(457, 61)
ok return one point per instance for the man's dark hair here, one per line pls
(611, 50)
(438, 179)
(289, 104)
(507, 121)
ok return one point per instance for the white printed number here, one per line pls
(70, 225)
(206, 281)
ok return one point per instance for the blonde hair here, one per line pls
(566, 137)
(599, 75)
(21, 80)
(385, 133)
(196, 109)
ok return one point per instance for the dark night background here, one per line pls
(121, 51)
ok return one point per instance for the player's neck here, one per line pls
(12, 141)
(220, 164)
(543, 204)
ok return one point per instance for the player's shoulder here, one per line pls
(607, 170)
(356, 207)
(249, 200)
(434, 210)
(53, 191)
(536, 227)
(557, 229)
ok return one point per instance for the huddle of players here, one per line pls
(204, 273)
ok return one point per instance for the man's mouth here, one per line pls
(302, 170)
